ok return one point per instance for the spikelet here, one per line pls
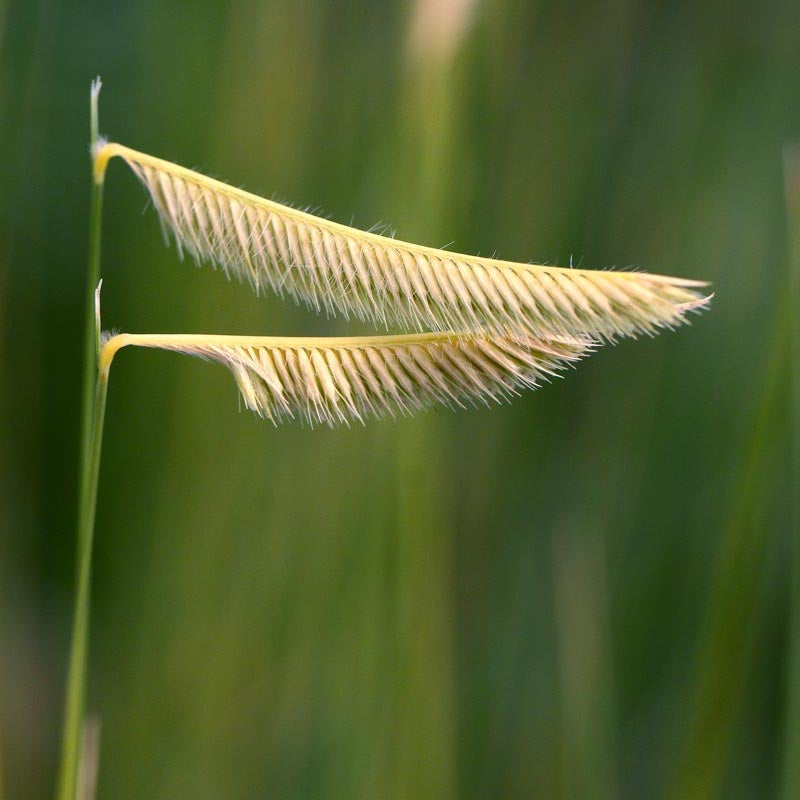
(332, 381)
(340, 269)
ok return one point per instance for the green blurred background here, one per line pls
(585, 594)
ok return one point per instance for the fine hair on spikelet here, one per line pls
(332, 381)
(340, 269)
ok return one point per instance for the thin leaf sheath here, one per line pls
(340, 269)
(334, 381)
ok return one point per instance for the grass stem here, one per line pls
(92, 419)
(76, 680)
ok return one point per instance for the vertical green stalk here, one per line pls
(728, 644)
(730, 631)
(580, 595)
(76, 679)
(93, 417)
(425, 743)
(791, 776)
(90, 331)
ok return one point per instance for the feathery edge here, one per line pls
(340, 380)
(381, 279)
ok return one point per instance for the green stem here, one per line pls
(92, 419)
(76, 680)
(90, 332)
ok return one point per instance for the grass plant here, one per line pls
(488, 328)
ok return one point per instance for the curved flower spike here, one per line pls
(331, 381)
(344, 270)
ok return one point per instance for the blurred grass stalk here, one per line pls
(95, 389)
(425, 763)
(791, 164)
(90, 760)
(727, 643)
(587, 697)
